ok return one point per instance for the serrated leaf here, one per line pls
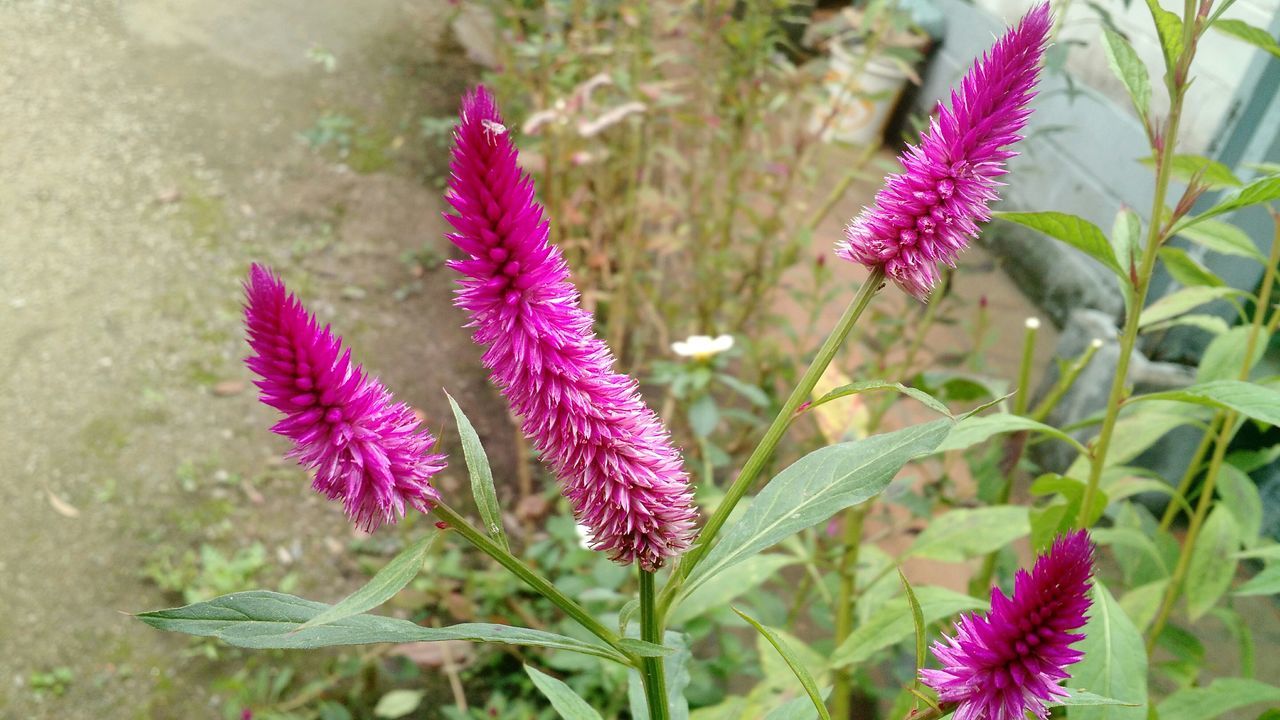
(1224, 358)
(961, 534)
(1212, 566)
(481, 477)
(388, 581)
(788, 655)
(1182, 301)
(1074, 231)
(567, 704)
(1114, 664)
(1219, 697)
(892, 623)
(814, 488)
(1251, 399)
(923, 397)
(261, 619)
(1186, 270)
(972, 430)
(725, 586)
(1223, 238)
(1242, 30)
(1263, 190)
(1212, 173)
(1127, 66)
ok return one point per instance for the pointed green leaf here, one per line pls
(1263, 190)
(388, 581)
(961, 534)
(1169, 30)
(567, 704)
(1256, 401)
(802, 674)
(972, 430)
(1074, 231)
(1127, 66)
(1211, 324)
(481, 477)
(1224, 358)
(1212, 566)
(1126, 236)
(917, 617)
(1239, 629)
(892, 622)
(1182, 301)
(724, 587)
(1242, 30)
(1186, 270)
(1212, 173)
(1223, 238)
(1114, 664)
(1266, 582)
(1078, 698)
(925, 398)
(261, 619)
(1220, 697)
(1239, 494)
(814, 488)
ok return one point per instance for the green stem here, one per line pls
(1189, 475)
(651, 668)
(764, 451)
(1022, 399)
(530, 576)
(1065, 382)
(841, 694)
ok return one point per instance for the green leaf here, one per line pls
(1266, 582)
(1169, 29)
(1240, 495)
(1081, 698)
(1114, 664)
(388, 581)
(1213, 174)
(1132, 539)
(973, 430)
(1143, 602)
(724, 587)
(1074, 231)
(1211, 324)
(1221, 696)
(1242, 30)
(925, 398)
(1127, 66)
(1256, 401)
(1221, 238)
(802, 674)
(959, 535)
(1239, 629)
(1126, 234)
(917, 617)
(261, 619)
(892, 622)
(1186, 270)
(1224, 358)
(398, 703)
(799, 708)
(1263, 190)
(814, 488)
(703, 416)
(644, 648)
(563, 699)
(481, 477)
(1211, 568)
(1182, 301)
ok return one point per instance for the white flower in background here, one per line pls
(701, 347)
(584, 536)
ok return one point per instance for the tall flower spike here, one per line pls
(365, 448)
(614, 458)
(1002, 664)
(928, 213)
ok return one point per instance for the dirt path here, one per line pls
(148, 152)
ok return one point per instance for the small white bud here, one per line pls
(1033, 323)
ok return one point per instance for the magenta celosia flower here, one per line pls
(928, 213)
(365, 448)
(1002, 664)
(613, 456)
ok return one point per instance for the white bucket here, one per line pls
(861, 105)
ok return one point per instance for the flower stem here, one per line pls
(764, 451)
(846, 604)
(652, 672)
(530, 576)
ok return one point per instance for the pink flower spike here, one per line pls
(365, 448)
(928, 213)
(613, 457)
(1009, 661)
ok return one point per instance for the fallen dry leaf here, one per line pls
(62, 507)
(227, 388)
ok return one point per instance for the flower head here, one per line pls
(702, 347)
(1009, 661)
(928, 213)
(365, 448)
(614, 458)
